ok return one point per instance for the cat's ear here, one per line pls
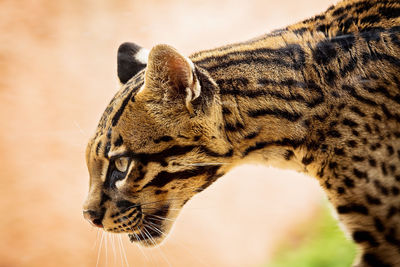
(172, 75)
(131, 59)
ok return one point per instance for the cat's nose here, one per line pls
(94, 217)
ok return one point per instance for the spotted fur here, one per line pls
(321, 96)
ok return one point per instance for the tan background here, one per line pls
(57, 74)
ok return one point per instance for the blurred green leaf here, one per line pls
(318, 243)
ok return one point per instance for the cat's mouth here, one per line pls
(150, 232)
(147, 226)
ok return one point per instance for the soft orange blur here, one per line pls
(58, 72)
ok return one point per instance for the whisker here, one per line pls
(160, 217)
(123, 250)
(97, 238)
(106, 246)
(79, 128)
(119, 248)
(99, 250)
(113, 249)
(136, 236)
(158, 247)
(140, 248)
(154, 228)
(204, 164)
(148, 203)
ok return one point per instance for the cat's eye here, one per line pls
(122, 164)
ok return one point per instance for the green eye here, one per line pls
(122, 164)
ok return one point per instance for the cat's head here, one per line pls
(158, 143)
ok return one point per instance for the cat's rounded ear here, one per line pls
(172, 75)
(131, 59)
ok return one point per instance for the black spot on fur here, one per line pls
(98, 148)
(378, 224)
(288, 154)
(391, 212)
(334, 133)
(372, 162)
(251, 135)
(374, 261)
(357, 111)
(339, 151)
(324, 52)
(360, 174)
(349, 122)
(307, 160)
(341, 190)
(119, 141)
(390, 150)
(196, 138)
(373, 200)
(348, 182)
(352, 208)
(357, 158)
(352, 143)
(165, 138)
(365, 236)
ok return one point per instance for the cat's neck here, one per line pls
(269, 100)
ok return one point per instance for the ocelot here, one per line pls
(321, 96)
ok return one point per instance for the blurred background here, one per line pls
(57, 75)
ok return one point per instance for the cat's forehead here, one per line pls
(106, 134)
(118, 103)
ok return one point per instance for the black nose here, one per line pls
(94, 217)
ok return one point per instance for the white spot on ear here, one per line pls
(142, 55)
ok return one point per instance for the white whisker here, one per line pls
(97, 238)
(99, 250)
(113, 249)
(123, 249)
(106, 246)
(120, 249)
(205, 164)
(160, 217)
(79, 128)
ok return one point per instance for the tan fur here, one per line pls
(321, 96)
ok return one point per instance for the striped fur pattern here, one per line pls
(321, 97)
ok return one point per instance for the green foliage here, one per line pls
(318, 243)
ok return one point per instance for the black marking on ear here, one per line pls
(128, 65)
